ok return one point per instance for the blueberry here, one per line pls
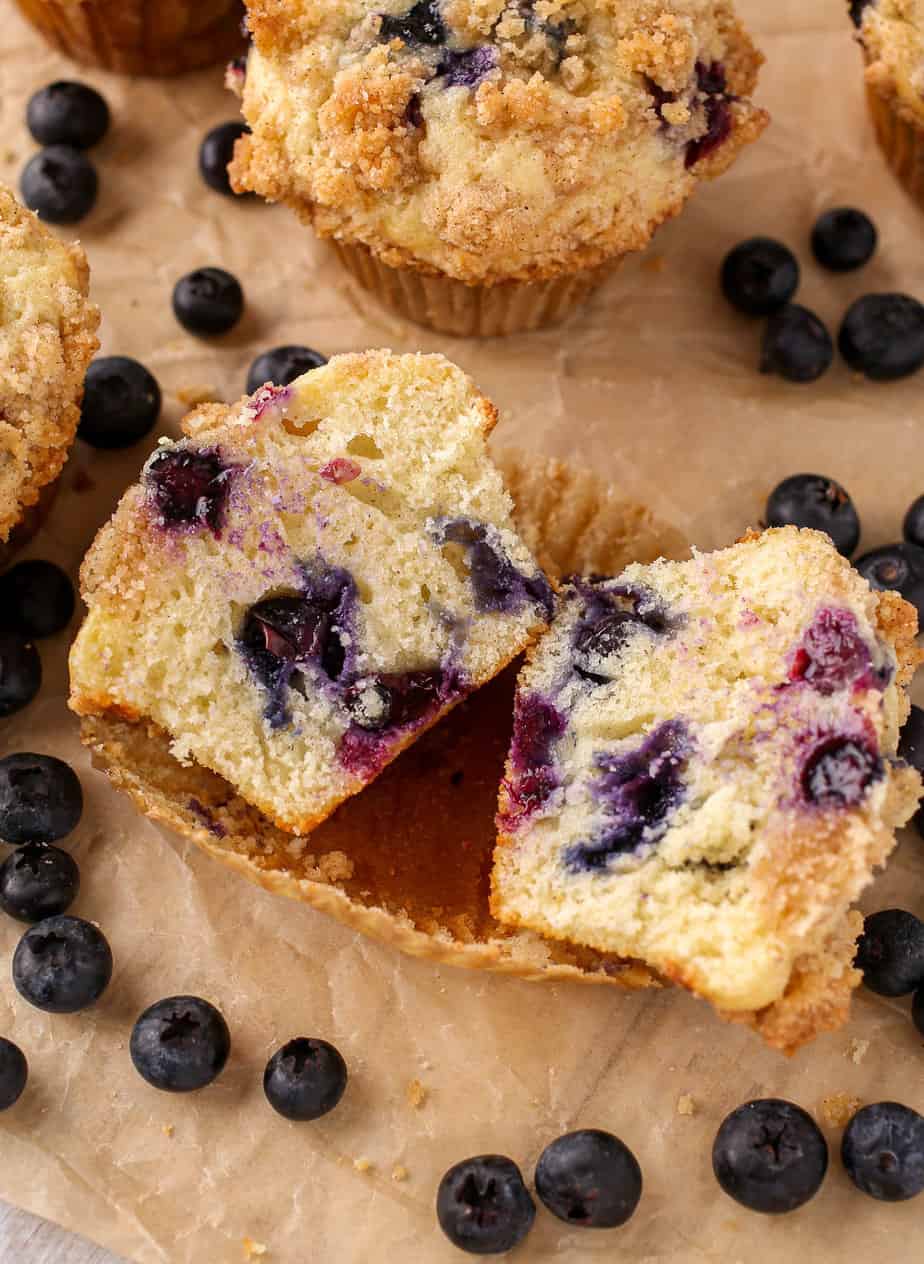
(760, 276)
(811, 500)
(844, 239)
(899, 567)
(189, 487)
(59, 184)
(770, 1156)
(466, 69)
(589, 1178)
(20, 672)
(36, 599)
(422, 24)
(121, 403)
(917, 1009)
(882, 336)
(305, 1079)
(483, 1206)
(913, 526)
(67, 113)
(180, 1044)
(839, 772)
(857, 9)
(711, 81)
(37, 881)
(883, 1151)
(62, 965)
(796, 345)
(281, 366)
(890, 952)
(833, 654)
(40, 799)
(216, 151)
(208, 301)
(393, 700)
(14, 1071)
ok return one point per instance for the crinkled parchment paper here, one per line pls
(654, 383)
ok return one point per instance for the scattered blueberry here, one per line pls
(281, 366)
(839, 772)
(180, 1044)
(811, 500)
(760, 276)
(796, 345)
(913, 526)
(189, 488)
(60, 184)
(208, 301)
(305, 1079)
(121, 403)
(14, 1071)
(844, 239)
(62, 965)
(917, 1009)
(67, 113)
(36, 599)
(882, 336)
(37, 881)
(40, 799)
(770, 1156)
(883, 1151)
(216, 151)
(589, 1178)
(483, 1206)
(421, 24)
(20, 672)
(890, 952)
(899, 567)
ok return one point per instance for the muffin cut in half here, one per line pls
(310, 579)
(702, 774)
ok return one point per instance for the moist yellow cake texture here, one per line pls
(703, 771)
(309, 579)
(493, 140)
(47, 338)
(892, 35)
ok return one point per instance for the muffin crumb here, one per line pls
(856, 1050)
(362, 1164)
(399, 1172)
(253, 1250)
(686, 1104)
(416, 1094)
(837, 1109)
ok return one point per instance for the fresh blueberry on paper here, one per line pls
(36, 599)
(882, 336)
(760, 276)
(67, 113)
(62, 965)
(899, 567)
(770, 1156)
(883, 1151)
(844, 239)
(121, 403)
(913, 525)
(589, 1178)
(208, 301)
(216, 151)
(483, 1206)
(38, 881)
(890, 952)
(180, 1044)
(281, 366)
(811, 500)
(305, 1079)
(20, 673)
(796, 345)
(40, 799)
(60, 184)
(14, 1071)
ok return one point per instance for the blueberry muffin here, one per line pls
(481, 164)
(891, 35)
(310, 579)
(140, 37)
(47, 338)
(703, 769)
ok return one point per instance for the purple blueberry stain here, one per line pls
(203, 814)
(468, 68)
(839, 771)
(833, 655)
(610, 615)
(384, 706)
(267, 398)
(421, 25)
(189, 488)
(498, 587)
(711, 81)
(537, 726)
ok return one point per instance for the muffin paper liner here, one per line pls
(901, 139)
(32, 519)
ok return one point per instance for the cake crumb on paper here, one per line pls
(686, 1105)
(193, 395)
(837, 1109)
(416, 1094)
(168, 1130)
(399, 1172)
(856, 1050)
(362, 1164)
(253, 1250)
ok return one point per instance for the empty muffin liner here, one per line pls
(901, 139)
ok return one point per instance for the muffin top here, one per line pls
(892, 34)
(493, 140)
(47, 337)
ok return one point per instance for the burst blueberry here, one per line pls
(67, 113)
(468, 68)
(589, 1178)
(796, 345)
(38, 881)
(281, 366)
(760, 276)
(208, 301)
(60, 184)
(882, 336)
(897, 567)
(62, 965)
(216, 151)
(483, 1206)
(833, 654)
(811, 500)
(844, 239)
(890, 952)
(711, 81)
(839, 773)
(883, 1151)
(180, 1044)
(420, 25)
(20, 672)
(770, 1156)
(40, 799)
(36, 599)
(305, 1079)
(14, 1071)
(189, 488)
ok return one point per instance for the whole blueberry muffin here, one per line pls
(140, 37)
(703, 769)
(891, 35)
(481, 164)
(309, 580)
(47, 339)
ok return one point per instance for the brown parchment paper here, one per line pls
(655, 385)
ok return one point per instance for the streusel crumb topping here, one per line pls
(892, 35)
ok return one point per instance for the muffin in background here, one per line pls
(481, 165)
(140, 37)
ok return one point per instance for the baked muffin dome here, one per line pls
(47, 338)
(489, 140)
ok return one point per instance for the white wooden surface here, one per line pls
(25, 1239)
